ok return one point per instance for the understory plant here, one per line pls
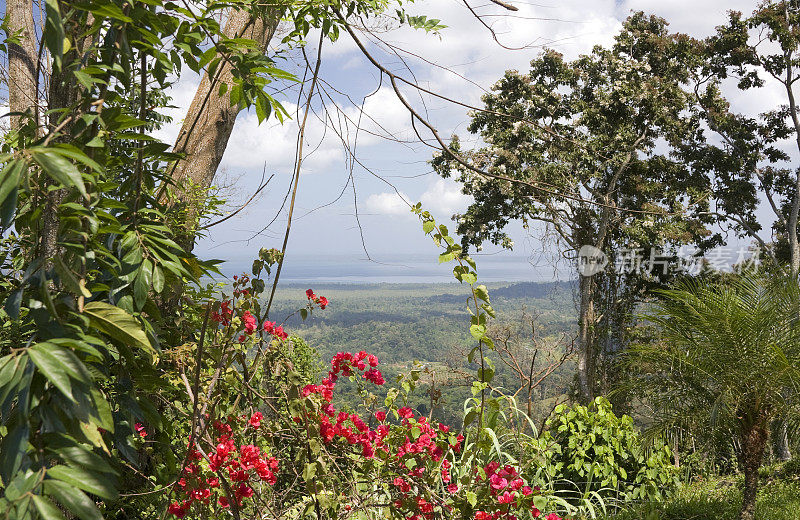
(599, 460)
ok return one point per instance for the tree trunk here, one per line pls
(62, 93)
(782, 441)
(22, 94)
(754, 441)
(586, 317)
(209, 122)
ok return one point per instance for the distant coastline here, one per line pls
(405, 269)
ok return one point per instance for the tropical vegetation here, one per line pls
(137, 382)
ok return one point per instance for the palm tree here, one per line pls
(726, 354)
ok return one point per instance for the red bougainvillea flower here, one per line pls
(140, 430)
(498, 482)
(244, 464)
(405, 412)
(402, 485)
(323, 302)
(249, 322)
(177, 509)
(244, 491)
(278, 332)
(380, 415)
(375, 376)
(506, 498)
(310, 294)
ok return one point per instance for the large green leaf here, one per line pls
(118, 324)
(12, 450)
(97, 484)
(9, 181)
(59, 168)
(75, 368)
(54, 32)
(11, 376)
(52, 367)
(77, 455)
(158, 279)
(47, 509)
(73, 499)
(22, 483)
(78, 287)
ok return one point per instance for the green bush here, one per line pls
(597, 455)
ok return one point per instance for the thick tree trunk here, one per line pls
(63, 93)
(754, 441)
(586, 317)
(210, 120)
(22, 94)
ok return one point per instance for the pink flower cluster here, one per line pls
(418, 458)
(241, 464)
(345, 363)
(225, 313)
(276, 331)
(140, 430)
(414, 451)
(349, 427)
(223, 317)
(508, 495)
(319, 300)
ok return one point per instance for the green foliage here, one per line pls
(96, 286)
(598, 454)
(725, 351)
(751, 149)
(582, 134)
(718, 499)
(789, 470)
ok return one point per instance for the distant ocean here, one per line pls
(406, 269)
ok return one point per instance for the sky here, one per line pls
(359, 209)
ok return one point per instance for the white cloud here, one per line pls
(252, 145)
(383, 116)
(182, 93)
(444, 198)
(388, 203)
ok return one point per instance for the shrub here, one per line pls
(594, 452)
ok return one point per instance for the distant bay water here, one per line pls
(402, 269)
